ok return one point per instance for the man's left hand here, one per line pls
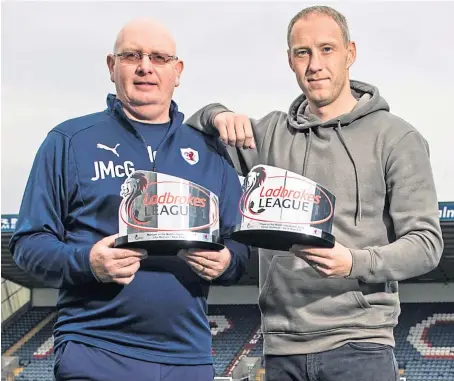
(329, 263)
(207, 264)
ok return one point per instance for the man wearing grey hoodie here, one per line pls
(329, 314)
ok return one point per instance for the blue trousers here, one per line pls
(79, 362)
(351, 362)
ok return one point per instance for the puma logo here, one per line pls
(113, 150)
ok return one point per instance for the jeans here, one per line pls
(351, 362)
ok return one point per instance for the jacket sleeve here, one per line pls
(229, 217)
(243, 159)
(413, 207)
(38, 243)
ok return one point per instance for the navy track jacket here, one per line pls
(71, 201)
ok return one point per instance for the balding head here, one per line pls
(145, 31)
(145, 85)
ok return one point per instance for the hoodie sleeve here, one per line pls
(413, 207)
(38, 243)
(229, 217)
(243, 159)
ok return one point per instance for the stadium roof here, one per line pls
(443, 273)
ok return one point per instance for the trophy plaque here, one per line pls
(163, 214)
(280, 208)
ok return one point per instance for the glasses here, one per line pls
(134, 58)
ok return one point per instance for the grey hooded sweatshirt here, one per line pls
(386, 213)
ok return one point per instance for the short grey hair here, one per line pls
(338, 17)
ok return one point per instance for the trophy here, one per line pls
(163, 214)
(280, 208)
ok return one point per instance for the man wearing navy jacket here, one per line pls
(117, 321)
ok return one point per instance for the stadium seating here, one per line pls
(15, 330)
(38, 370)
(424, 341)
(39, 346)
(232, 327)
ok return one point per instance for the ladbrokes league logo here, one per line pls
(159, 202)
(276, 195)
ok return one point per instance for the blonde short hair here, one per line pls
(338, 17)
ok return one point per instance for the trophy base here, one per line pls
(166, 247)
(281, 240)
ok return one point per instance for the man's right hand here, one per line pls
(114, 264)
(235, 129)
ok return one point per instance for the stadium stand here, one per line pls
(39, 346)
(424, 341)
(232, 326)
(12, 332)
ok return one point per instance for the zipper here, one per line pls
(119, 109)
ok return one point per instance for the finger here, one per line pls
(205, 272)
(220, 122)
(126, 272)
(208, 275)
(125, 262)
(324, 272)
(200, 264)
(239, 131)
(197, 266)
(109, 241)
(183, 254)
(222, 128)
(213, 261)
(323, 253)
(319, 268)
(126, 253)
(142, 251)
(249, 141)
(124, 281)
(204, 262)
(319, 261)
(231, 133)
(209, 255)
(116, 268)
(200, 259)
(196, 263)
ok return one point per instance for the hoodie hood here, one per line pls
(369, 101)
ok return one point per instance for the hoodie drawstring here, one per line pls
(358, 214)
(306, 154)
